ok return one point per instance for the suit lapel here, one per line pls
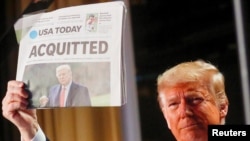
(70, 97)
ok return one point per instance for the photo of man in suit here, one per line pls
(67, 93)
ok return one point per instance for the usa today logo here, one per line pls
(33, 34)
(57, 30)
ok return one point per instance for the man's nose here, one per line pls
(184, 109)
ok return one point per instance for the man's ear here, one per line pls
(166, 119)
(223, 110)
(169, 126)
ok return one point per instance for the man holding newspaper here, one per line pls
(67, 93)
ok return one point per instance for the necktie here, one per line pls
(62, 96)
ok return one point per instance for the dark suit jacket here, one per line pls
(78, 96)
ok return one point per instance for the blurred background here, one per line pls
(163, 33)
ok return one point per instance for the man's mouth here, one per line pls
(188, 126)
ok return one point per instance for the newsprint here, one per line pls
(79, 48)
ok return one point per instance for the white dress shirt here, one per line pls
(39, 136)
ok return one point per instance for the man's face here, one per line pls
(63, 76)
(188, 109)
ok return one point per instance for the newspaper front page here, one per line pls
(76, 51)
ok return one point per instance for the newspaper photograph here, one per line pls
(72, 56)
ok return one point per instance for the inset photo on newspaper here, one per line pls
(68, 84)
(91, 22)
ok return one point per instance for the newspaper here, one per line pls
(79, 48)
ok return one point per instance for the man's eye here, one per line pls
(173, 104)
(196, 100)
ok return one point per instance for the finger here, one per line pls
(16, 98)
(17, 87)
(9, 110)
(14, 83)
(13, 98)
